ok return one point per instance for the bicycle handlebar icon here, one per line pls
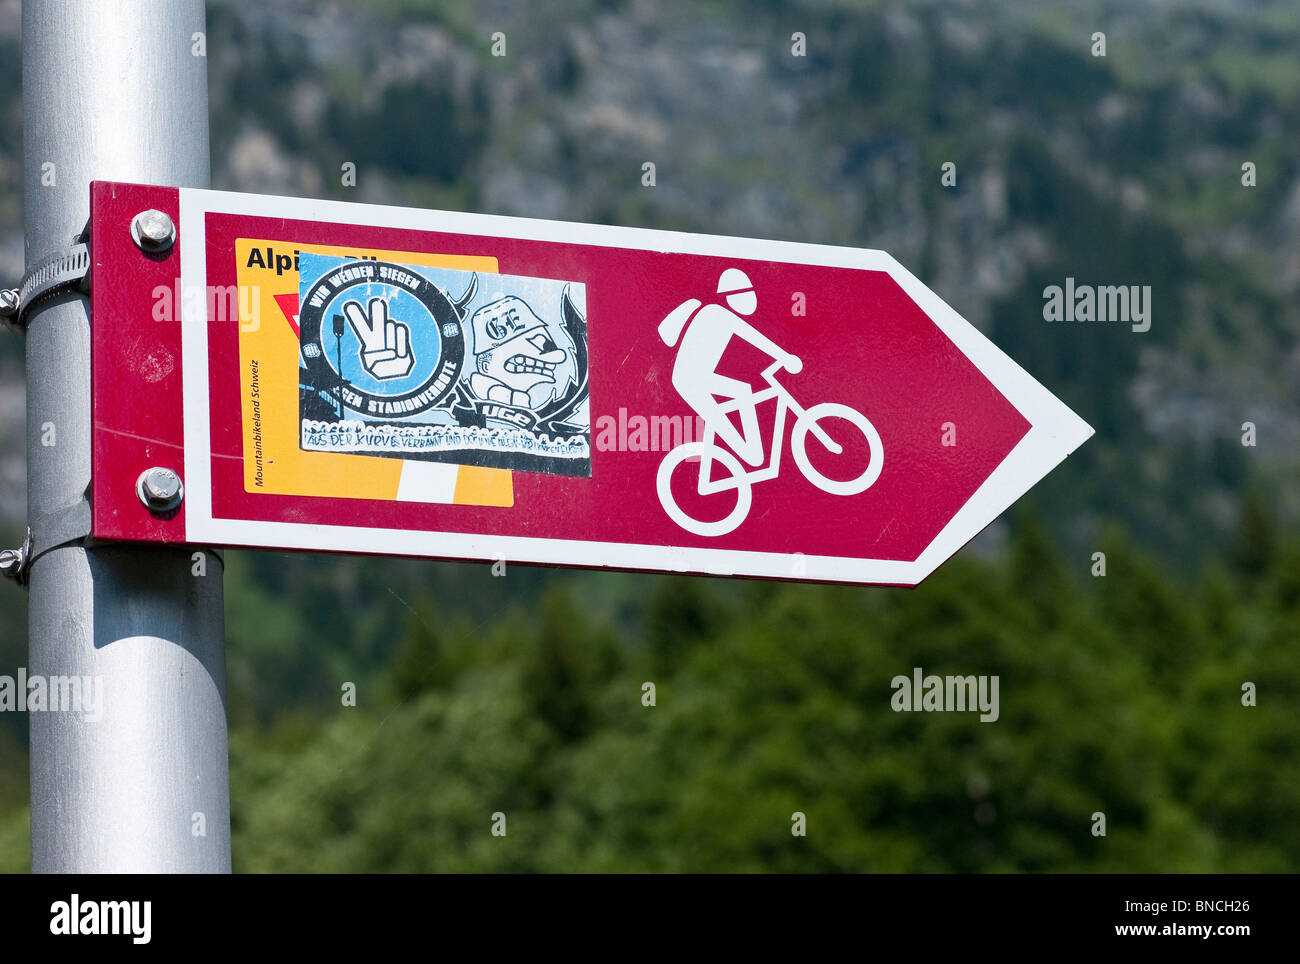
(742, 479)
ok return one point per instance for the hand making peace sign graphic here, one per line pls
(385, 343)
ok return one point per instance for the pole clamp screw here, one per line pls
(62, 271)
(15, 563)
(11, 562)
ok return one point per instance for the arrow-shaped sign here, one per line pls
(727, 405)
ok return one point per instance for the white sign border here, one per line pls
(1055, 431)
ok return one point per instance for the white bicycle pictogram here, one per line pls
(742, 479)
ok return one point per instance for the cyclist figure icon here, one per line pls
(705, 332)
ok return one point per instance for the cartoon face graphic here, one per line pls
(513, 348)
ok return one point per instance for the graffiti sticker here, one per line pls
(443, 365)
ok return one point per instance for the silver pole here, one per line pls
(114, 90)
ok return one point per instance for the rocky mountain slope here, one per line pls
(1116, 169)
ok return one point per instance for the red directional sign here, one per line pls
(344, 377)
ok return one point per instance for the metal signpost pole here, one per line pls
(137, 779)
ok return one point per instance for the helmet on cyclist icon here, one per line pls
(739, 291)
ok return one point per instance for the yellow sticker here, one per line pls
(269, 363)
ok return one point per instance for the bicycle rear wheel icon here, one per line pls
(742, 479)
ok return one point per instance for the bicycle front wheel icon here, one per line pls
(740, 478)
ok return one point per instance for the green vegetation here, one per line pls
(1120, 694)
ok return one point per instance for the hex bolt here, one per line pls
(8, 301)
(153, 231)
(159, 489)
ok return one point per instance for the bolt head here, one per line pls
(8, 301)
(160, 489)
(153, 230)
